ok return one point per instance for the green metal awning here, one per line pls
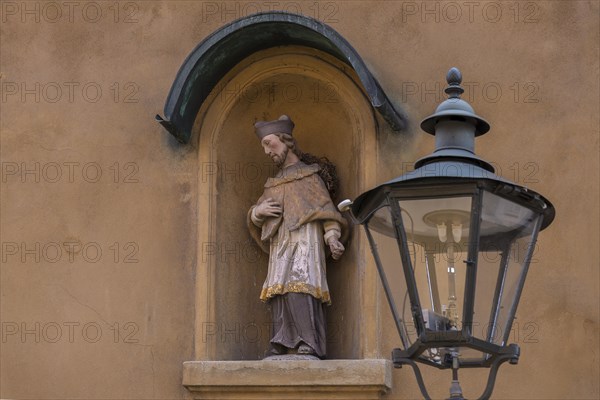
(208, 63)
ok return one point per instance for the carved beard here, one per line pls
(279, 159)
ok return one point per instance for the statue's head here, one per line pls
(277, 141)
(283, 124)
(276, 138)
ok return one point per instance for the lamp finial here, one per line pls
(454, 79)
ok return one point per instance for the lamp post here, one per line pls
(452, 243)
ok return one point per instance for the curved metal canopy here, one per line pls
(224, 48)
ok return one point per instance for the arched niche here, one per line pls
(334, 118)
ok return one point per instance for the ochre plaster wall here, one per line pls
(530, 68)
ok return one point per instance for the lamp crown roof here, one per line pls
(454, 107)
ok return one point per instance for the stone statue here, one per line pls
(296, 223)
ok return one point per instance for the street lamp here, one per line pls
(452, 243)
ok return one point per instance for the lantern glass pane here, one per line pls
(507, 230)
(501, 216)
(437, 233)
(386, 249)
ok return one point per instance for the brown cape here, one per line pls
(303, 198)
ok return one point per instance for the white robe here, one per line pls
(297, 240)
(297, 263)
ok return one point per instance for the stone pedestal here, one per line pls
(287, 379)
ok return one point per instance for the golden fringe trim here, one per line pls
(295, 287)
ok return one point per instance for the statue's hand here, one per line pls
(336, 247)
(268, 208)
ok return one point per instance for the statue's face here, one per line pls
(275, 149)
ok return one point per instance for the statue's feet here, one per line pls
(302, 352)
(276, 350)
(305, 349)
